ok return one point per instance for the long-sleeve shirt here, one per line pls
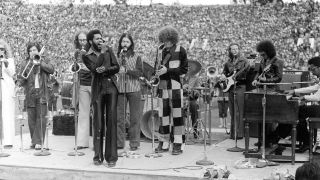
(311, 89)
(131, 77)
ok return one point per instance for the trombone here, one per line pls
(31, 63)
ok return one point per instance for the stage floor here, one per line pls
(58, 165)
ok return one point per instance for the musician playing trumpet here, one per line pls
(34, 79)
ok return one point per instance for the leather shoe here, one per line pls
(97, 162)
(302, 149)
(111, 164)
(160, 150)
(81, 147)
(176, 151)
(133, 148)
(37, 147)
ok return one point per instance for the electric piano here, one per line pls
(278, 109)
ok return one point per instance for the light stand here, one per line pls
(236, 148)
(2, 154)
(76, 114)
(153, 154)
(205, 161)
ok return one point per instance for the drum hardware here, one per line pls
(235, 148)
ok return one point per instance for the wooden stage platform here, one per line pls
(24, 165)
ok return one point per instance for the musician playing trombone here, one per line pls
(170, 64)
(237, 67)
(34, 78)
(7, 90)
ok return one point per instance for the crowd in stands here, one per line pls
(206, 31)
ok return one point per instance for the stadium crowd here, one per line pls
(206, 31)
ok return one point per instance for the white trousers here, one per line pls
(84, 116)
(8, 115)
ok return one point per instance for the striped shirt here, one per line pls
(133, 84)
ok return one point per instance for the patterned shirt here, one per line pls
(131, 78)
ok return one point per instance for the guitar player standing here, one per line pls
(236, 66)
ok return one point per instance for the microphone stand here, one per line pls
(236, 148)
(21, 97)
(76, 111)
(42, 152)
(2, 154)
(153, 154)
(205, 161)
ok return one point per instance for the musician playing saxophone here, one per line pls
(173, 59)
(236, 66)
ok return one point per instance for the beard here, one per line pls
(95, 47)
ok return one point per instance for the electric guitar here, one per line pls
(230, 81)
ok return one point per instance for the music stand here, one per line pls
(153, 154)
(205, 161)
(2, 154)
(235, 148)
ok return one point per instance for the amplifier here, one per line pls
(294, 76)
(63, 125)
